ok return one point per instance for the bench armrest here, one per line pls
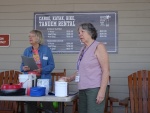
(124, 103)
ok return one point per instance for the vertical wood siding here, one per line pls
(16, 19)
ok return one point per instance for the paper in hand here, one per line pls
(29, 61)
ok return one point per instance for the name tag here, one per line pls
(45, 58)
(77, 78)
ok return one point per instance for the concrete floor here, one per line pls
(117, 109)
(67, 109)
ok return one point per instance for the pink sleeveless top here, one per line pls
(89, 69)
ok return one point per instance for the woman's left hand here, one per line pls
(38, 70)
(100, 97)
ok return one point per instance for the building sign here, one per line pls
(4, 40)
(60, 30)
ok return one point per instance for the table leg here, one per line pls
(61, 107)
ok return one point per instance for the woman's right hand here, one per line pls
(66, 79)
(69, 78)
(26, 68)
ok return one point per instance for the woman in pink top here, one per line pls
(92, 71)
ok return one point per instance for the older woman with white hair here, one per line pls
(44, 60)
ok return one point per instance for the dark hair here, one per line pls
(90, 29)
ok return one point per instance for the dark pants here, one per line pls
(87, 101)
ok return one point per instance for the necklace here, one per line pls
(82, 54)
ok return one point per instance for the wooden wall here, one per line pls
(16, 19)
